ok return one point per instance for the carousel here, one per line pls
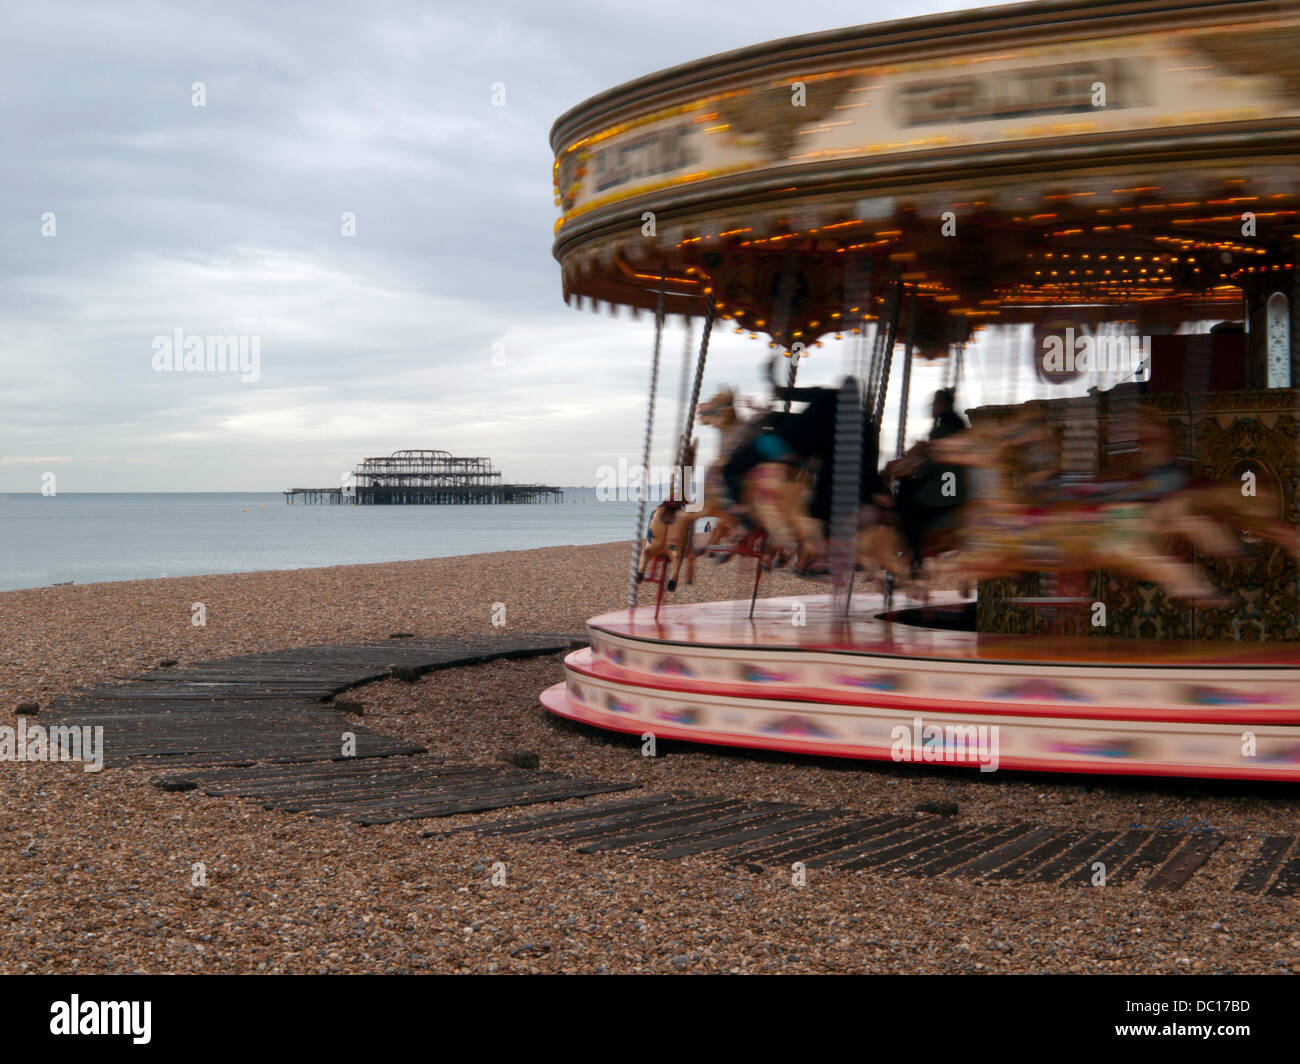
(1101, 196)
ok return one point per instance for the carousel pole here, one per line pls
(785, 298)
(793, 375)
(638, 535)
(865, 293)
(887, 362)
(872, 376)
(952, 374)
(846, 485)
(682, 389)
(905, 398)
(860, 349)
(1294, 353)
(887, 356)
(688, 425)
(889, 311)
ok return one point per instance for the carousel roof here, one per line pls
(998, 163)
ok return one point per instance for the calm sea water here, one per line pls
(87, 538)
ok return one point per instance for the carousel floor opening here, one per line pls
(949, 618)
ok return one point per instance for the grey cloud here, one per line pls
(226, 220)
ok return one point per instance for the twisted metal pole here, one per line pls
(846, 489)
(905, 398)
(887, 356)
(846, 482)
(638, 534)
(682, 391)
(688, 426)
(785, 300)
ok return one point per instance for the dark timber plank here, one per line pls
(812, 841)
(933, 845)
(1008, 852)
(955, 857)
(668, 830)
(664, 823)
(742, 813)
(917, 829)
(1179, 868)
(1077, 855)
(540, 824)
(847, 842)
(1112, 857)
(1287, 881)
(421, 798)
(1035, 858)
(909, 847)
(482, 804)
(753, 831)
(1154, 853)
(1271, 852)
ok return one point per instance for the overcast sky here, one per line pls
(226, 219)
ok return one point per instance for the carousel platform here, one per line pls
(913, 686)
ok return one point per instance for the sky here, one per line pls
(129, 213)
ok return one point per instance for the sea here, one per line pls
(87, 538)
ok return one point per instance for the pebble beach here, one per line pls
(96, 869)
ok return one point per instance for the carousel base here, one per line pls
(799, 679)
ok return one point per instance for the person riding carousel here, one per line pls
(807, 435)
(928, 494)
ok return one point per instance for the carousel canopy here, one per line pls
(1000, 164)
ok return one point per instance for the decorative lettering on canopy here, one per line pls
(1172, 81)
(1025, 93)
(660, 151)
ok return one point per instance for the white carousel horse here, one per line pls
(1002, 536)
(671, 533)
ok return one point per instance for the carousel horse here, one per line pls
(670, 537)
(776, 494)
(881, 548)
(1002, 536)
(778, 499)
(1207, 514)
(721, 412)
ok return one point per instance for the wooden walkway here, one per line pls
(373, 791)
(265, 707)
(259, 727)
(763, 834)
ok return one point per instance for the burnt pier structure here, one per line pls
(414, 478)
